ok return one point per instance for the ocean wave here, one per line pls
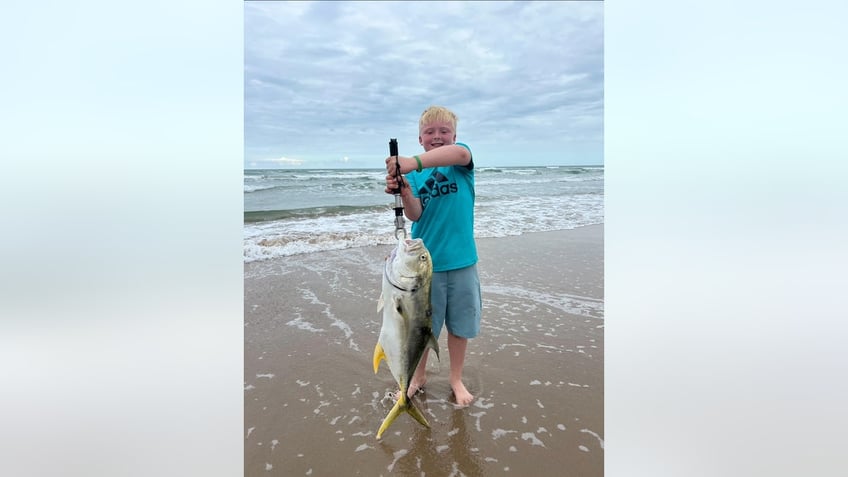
(528, 180)
(285, 246)
(310, 212)
(351, 176)
(256, 188)
(276, 247)
(294, 212)
(309, 231)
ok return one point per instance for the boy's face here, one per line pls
(435, 134)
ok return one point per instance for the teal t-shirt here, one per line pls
(447, 220)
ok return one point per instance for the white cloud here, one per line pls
(286, 161)
(328, 79)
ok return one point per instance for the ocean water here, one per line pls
(288, 212)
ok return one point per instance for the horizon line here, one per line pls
(378, 168)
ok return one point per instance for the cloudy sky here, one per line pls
(327, 84)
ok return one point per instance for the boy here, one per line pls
(438, 197)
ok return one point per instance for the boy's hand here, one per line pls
(391, 176)
(392, 183)
(390, 164)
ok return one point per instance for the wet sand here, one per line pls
(312, 403)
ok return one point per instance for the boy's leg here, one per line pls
(456, 349)
(463, 322)
(420, 376)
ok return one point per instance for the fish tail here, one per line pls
(390, 418)
(402, 404)
(416, 414)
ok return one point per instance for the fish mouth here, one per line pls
(406, 246)
(412, 244)
(415, 247)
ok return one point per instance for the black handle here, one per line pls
(393, 152)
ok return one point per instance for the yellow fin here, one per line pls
(378, 355)
(414, 412)
(402, 404)
(390, 418)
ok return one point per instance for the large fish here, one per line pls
(407, 326)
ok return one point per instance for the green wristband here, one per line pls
(418, 160)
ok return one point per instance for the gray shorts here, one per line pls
(456, 300)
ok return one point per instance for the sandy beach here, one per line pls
(313, 403)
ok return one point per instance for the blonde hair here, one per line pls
(437, 113)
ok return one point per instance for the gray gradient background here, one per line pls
(121, 320)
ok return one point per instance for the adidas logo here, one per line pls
(436, 185)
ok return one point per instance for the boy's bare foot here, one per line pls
(410, 391)
(415, 386)
(463, 397)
